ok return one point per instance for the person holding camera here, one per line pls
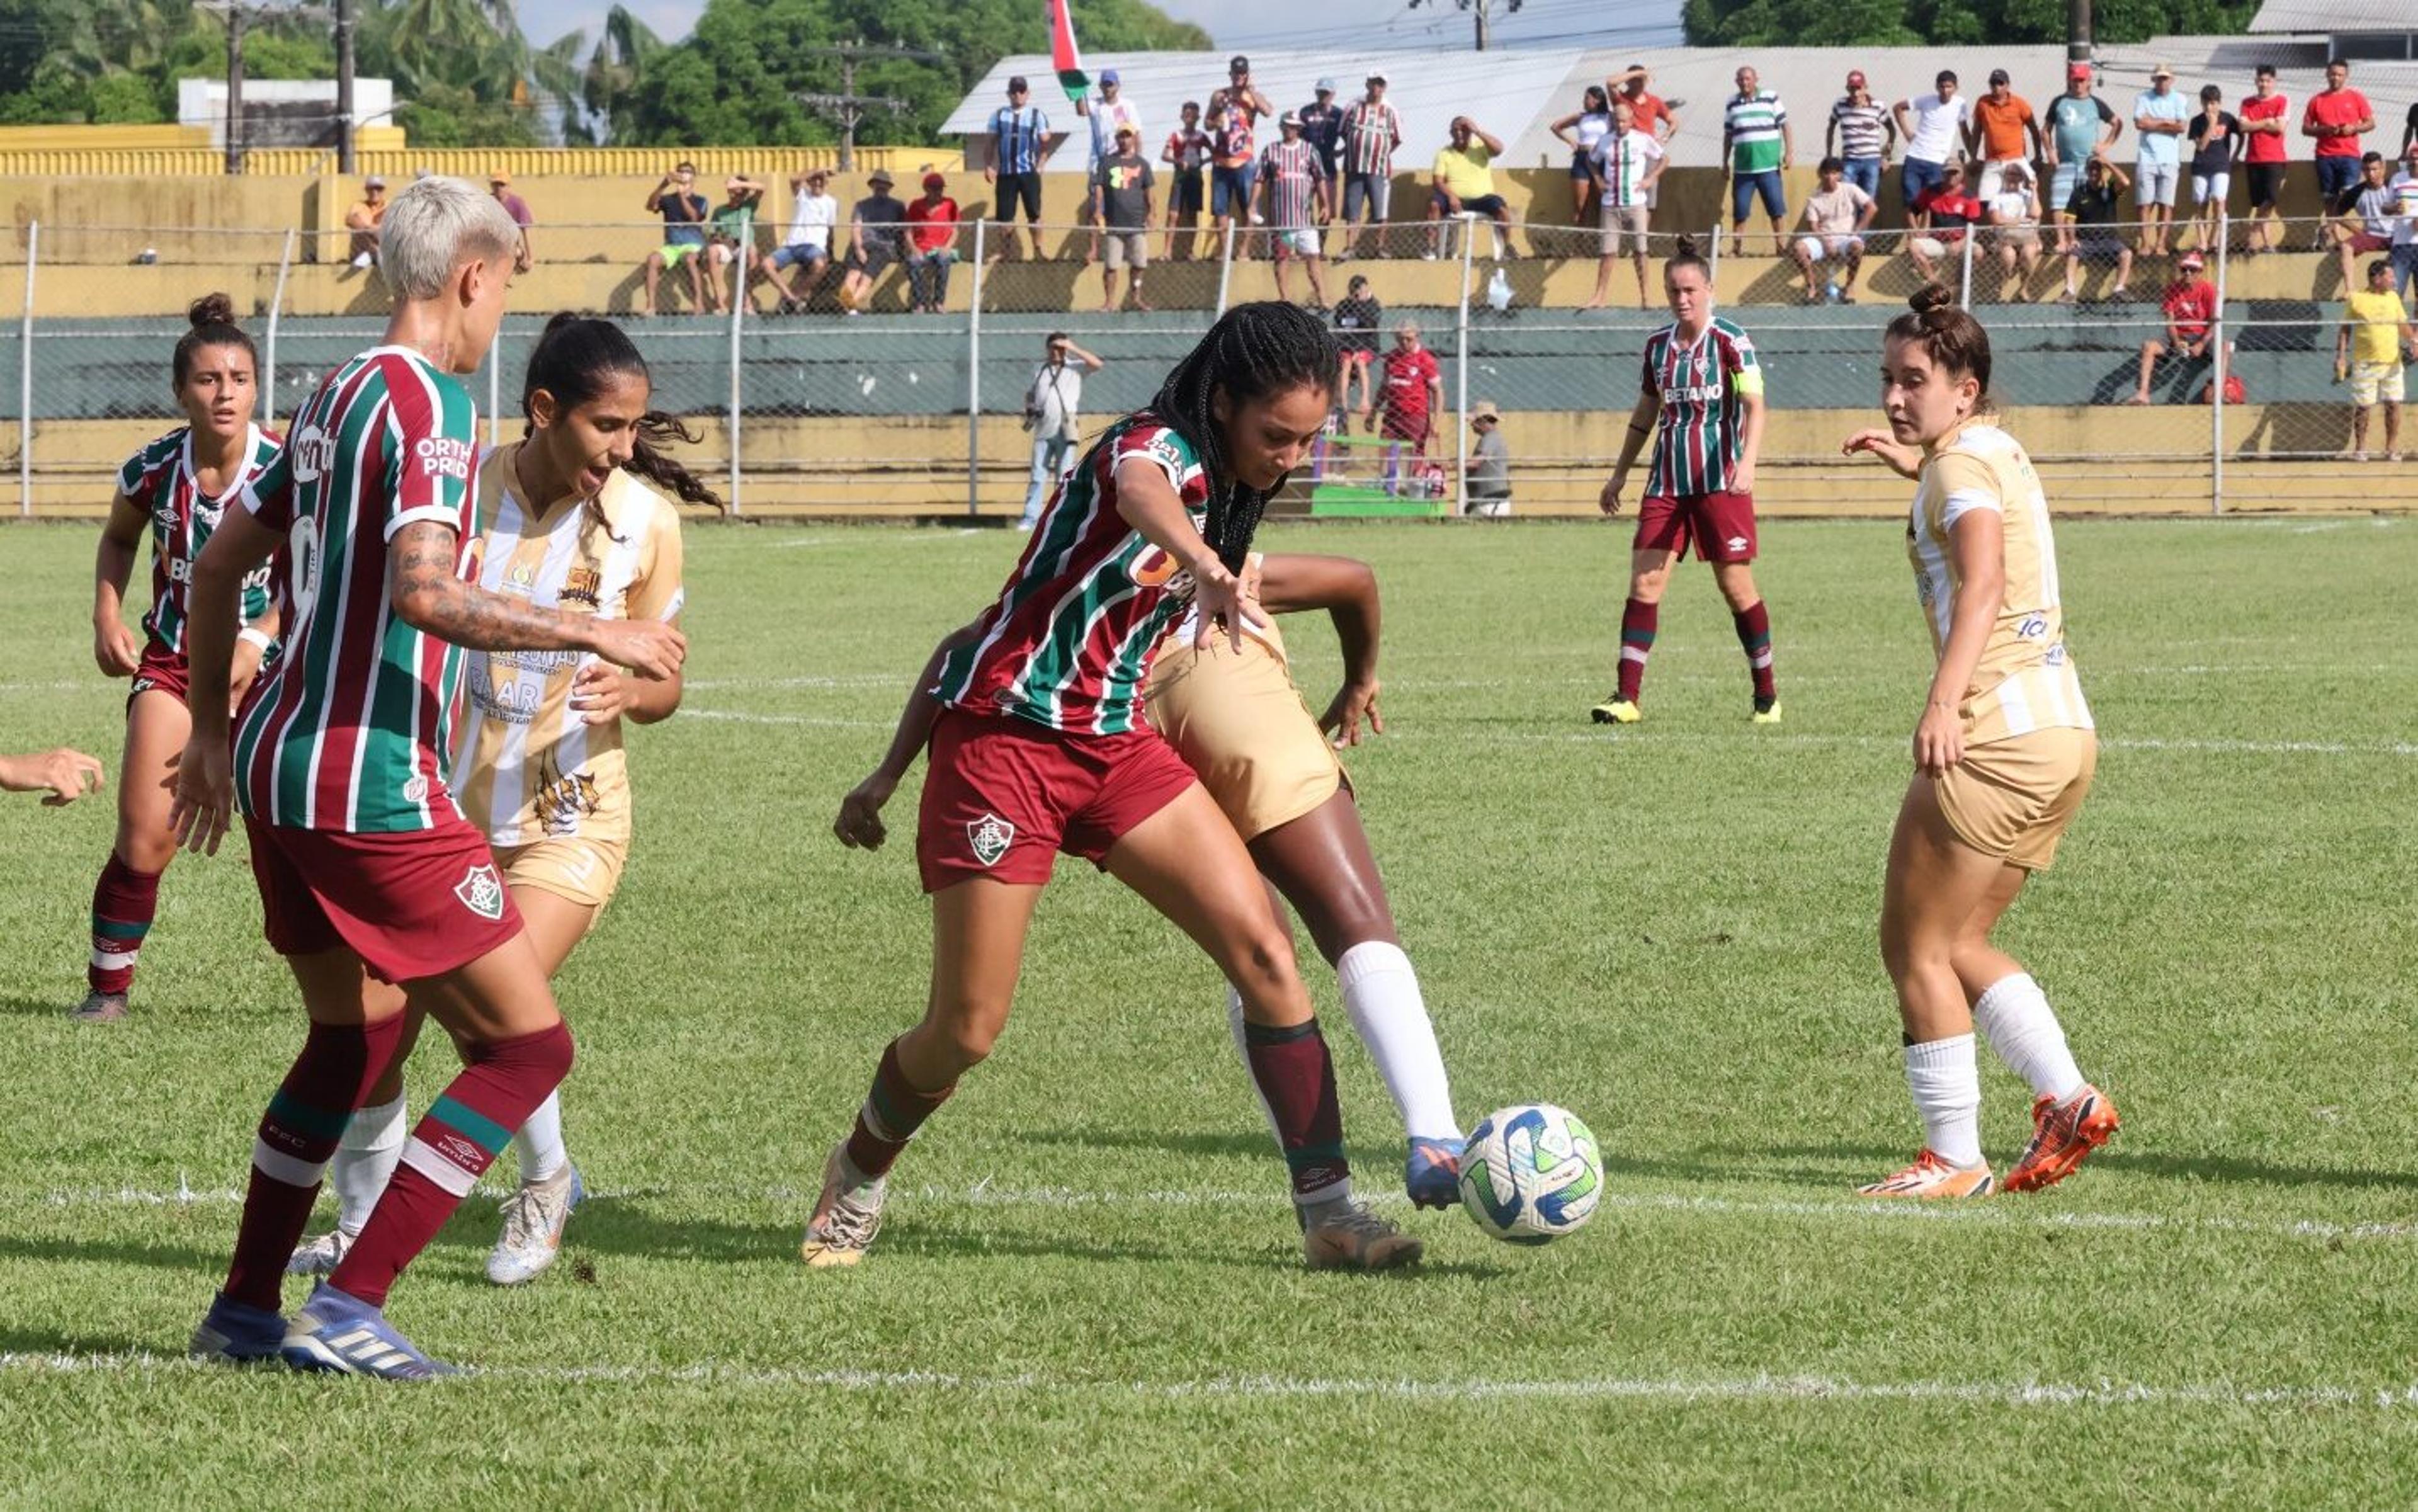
(1050, 402)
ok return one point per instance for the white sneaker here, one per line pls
(534, 1215)
(320, 1255)
(847, 1215)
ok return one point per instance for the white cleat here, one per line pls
(320, 1255)
(533, 1220)
(847, 1215)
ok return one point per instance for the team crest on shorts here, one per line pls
(481, 892)
(990, 836)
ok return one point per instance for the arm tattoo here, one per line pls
(421, 572)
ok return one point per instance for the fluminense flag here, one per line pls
(1064, 56)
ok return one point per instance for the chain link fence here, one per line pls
(895, 376)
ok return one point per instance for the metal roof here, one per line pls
(2335, 17)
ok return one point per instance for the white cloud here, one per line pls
(543, 21)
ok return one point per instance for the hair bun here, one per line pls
(1932, 297)
(211, 310)
(558, 320)
(1687, 248)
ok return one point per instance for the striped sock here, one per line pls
(450, 1148)
(1296, 1078)
(892, 1111)
(123, 902)
(337, 1067)
(1638, 620)
(1755, 636)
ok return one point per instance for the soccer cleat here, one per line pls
(847, 1215)
(320, 1255)
(1432, 1174)
(1931, 1176)
(1766, 716)
(1615, 711)
(533, 1220)
(339, 1334)
(2062, 1134)
(237, 1332)
(1346, 1236)
(100, 1008)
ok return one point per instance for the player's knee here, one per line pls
(1263, 960)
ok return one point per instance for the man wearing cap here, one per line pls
(1108, 110)
(814, 214)
(1933, 125)
(2190, 308)
(1859, 136)
(1758, 147)
(1019, 149)
(2367, 217)
(2080, 126)
(1488, 467)
(1233, 113)
(1368, 133)
(2002, 121)
(1322, 126)
(499, 184)
(1463, 183)
(362, 222)
(1293, 178)
(730, 240)
(1120, 202)
(2263, 158)
(877, 237)
(2161, 116)
(684, 211)
(931, 245)
(2337, 116)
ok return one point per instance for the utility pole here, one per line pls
(850, 108)
(344, 86)
(2077, 31)
(239, 15)
(1483, 14)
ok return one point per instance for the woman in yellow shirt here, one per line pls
(2003, 755)
(578, 518)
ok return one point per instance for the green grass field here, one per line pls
(1089, 1292)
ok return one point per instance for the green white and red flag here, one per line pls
(1064, 56)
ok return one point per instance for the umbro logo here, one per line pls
(1737, 542)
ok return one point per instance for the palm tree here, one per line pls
(610, 83)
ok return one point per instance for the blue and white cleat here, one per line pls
(237, 1332)
(1432, 1174)
(339, 1333)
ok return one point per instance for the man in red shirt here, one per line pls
(2190, 308)
(2337, 116)
(2262, 160)
(931, 245)
(1948, 211)
(1410, 389)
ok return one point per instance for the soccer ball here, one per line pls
(1531, 1173)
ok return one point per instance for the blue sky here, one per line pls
(1254, 22)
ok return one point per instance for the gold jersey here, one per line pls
(2025, 680)
(526, 766)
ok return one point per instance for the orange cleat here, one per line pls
(2062, 1134)
(1932, 1176)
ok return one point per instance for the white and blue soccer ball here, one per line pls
(1531, 1173)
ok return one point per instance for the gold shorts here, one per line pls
(571, 867)
(2012, 798)
(1240, 725)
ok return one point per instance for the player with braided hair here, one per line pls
(1038, 745)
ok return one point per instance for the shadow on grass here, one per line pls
(1843, 1159)
(205, 1264)
(55, 1343)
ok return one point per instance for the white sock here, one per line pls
(2016, 1018)
(1948, 1093)
(366, 1157)
(1242, 1053)
(539, 1141)
(1380, 992)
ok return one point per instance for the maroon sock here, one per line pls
(338, 1067)
(1296, 1076)
(892, 1111)
(449, 1149)
(123, 902)
(1755, 638)
(1638, 620)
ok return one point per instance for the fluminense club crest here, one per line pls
(990, 836)
(481, 892)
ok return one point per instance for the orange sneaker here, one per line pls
(2062, 1136)
(1932, 1176)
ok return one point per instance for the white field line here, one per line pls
(985, 1194)
(1761, 1387)
(919, 536)
(2389, 748)
(735, 716)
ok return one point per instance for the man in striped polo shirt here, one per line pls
(1758, 147)
(1371, 130)
(371, 878)
(1019, 149)
(1297, 193)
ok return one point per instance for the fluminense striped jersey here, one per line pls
(1071, 637)
(161, 479)
(1703, 385)
(350, 729)
(2025, 680)
(1292, 172)
(1623, 159)
(1370, 133)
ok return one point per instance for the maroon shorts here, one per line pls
(412, 905)
(1720, 526)
(160, 670)
(1399, 425)
(1003, 796)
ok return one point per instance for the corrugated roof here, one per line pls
(2330, 18)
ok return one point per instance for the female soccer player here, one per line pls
(1040, 746)
(1702, 382)
(2003, 755)
(176, 488)
(536, 763)
(1233, 714)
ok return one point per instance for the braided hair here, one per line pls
(1254, 351)
(573, 357)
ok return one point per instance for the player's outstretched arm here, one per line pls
(859, 824)
(1346, 589)
(1906, 461)
(66, 775)
(427, 594)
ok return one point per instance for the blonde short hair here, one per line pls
(435, 226)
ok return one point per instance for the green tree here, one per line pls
(1947, 23)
